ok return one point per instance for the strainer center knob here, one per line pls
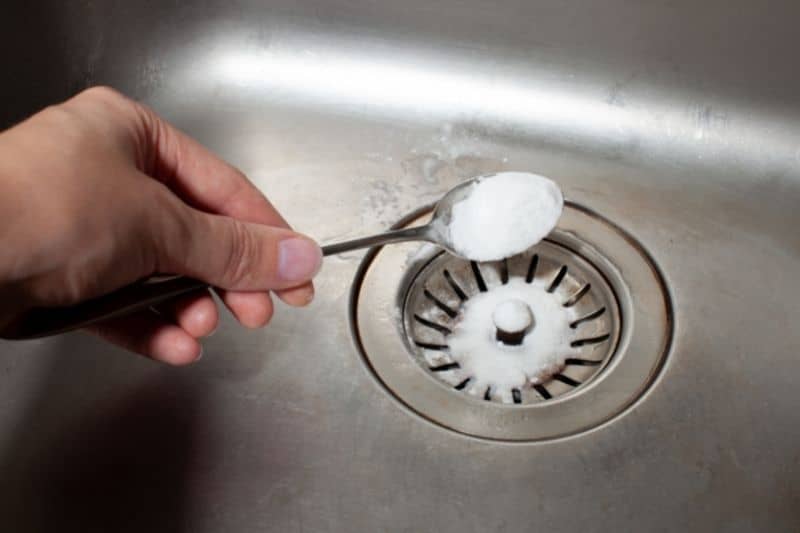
(513, 319)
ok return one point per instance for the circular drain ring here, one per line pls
(646, 331)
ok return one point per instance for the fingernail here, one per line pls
(200, 355)
(298, 259)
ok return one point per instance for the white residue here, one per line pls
(504, 214)
(490, 363)
(512, 316)
(423, 253)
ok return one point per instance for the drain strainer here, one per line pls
(567, 324)
(540, 345)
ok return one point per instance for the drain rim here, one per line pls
(647, 329)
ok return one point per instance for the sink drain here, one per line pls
(567, 324)
(540, 345)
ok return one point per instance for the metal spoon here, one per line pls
(435, 231)
(42, 322)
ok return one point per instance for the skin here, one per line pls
(98, 192)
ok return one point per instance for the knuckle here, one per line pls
(101, 92)
(65, 118)
(242, 254)
(98, 115)
(110, 102)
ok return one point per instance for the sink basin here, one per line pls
(676, 121)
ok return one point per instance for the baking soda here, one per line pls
(504, 214)
(493, 364)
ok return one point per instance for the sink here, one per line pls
(677, 122)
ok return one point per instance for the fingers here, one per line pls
(251, 309)
(297, 296)
(151, 335)
(171, 335)
(195, 313)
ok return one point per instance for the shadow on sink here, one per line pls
(123, 466)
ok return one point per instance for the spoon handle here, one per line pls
(417, 233)
(43, 322)
(46, 321)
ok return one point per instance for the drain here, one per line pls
(496, 330)
(540, 345)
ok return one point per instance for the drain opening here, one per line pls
(607, 335)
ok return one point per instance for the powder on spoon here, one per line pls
(504, 214)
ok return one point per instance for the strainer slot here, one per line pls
(463, 384)
(543, 392)
(449, 311)
(532, 268)
(516, 395)
(566, 380)
(581, 362)
(590, 340)
(558, 279)
(588, 318)
(445, 367)
(444, 330)
(573, 300)
(431, 346)
(455, 286)
(476, 271)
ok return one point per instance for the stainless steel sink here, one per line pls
(677, 121)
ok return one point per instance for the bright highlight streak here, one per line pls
(350, 83)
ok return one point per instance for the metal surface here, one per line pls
(677, 120)
(386, 286)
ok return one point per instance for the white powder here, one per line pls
(492, 364)
(423, 253)
(512, 316)
(504, 214)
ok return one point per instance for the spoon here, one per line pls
(43, 322)
(436, 231)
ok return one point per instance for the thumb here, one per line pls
(235, 255)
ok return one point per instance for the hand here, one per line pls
(99, 192)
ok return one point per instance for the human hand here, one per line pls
(99, 192)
